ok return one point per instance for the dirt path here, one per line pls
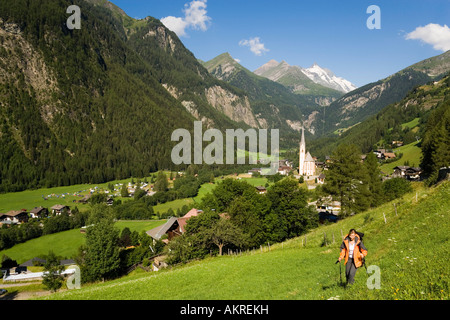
(10, 285)
(25, 295)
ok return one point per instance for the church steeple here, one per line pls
(302, 154)
(307, 166)
(302, 142)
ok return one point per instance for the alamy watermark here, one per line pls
(374, 280)
(213, 152)
(374, 21)
(74, 21)
(74, 280)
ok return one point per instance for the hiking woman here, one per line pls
(353, 251)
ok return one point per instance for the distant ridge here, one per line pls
(297, 77)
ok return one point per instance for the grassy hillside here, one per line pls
(402, 121)
(411, 153)
(409, 246)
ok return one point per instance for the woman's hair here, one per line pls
(352, 230)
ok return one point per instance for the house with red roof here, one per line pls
(173, 227)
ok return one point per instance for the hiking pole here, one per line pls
(364, 264)
(340, 271)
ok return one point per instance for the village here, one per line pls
(311, 172)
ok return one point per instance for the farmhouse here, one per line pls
(85, 199)
(413, 173)
(254, 171)
(284, 162)
(183, 220)
(261, 189)
(399, 171)
(284, 170)
(321, 178)
(39, 212)
(379, 153)
(14, 216)
(59, 208)
(173, 227)
(388, 155)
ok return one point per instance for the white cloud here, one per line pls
(436, 35)
(237, 60)
(195, 17)
(177, 25)
(255, 45)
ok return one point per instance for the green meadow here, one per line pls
(411, 153)
(409, 247)
(48, 197)
(66, 243)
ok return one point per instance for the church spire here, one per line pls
(302, 142)
(301, 160)
(306, 162)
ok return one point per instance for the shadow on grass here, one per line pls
(9, 296)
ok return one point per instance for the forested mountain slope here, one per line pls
(98, 103)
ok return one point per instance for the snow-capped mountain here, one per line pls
(297, 81)
(328, 79)
(295, 76)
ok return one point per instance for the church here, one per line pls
(307, 165)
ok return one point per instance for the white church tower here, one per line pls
(302, 154)
(307, 165)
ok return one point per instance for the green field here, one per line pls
(410, 248)
(59, 195)
(66, 243)
(35, 198)
(412, 124)
(411, 152)
(174, 205)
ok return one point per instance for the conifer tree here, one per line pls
(374, 182)
(52, 278)
(347, 180)
(102, 259)
(161, 183)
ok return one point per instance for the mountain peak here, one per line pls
(328, 79)
(266, 67)
(225, 54)
(275, 70)
(272, 62)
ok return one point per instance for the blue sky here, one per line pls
(332, 33)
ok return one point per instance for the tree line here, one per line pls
(357, 185)
(12, 235)
(236, 216)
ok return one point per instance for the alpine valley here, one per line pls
(100, 103)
